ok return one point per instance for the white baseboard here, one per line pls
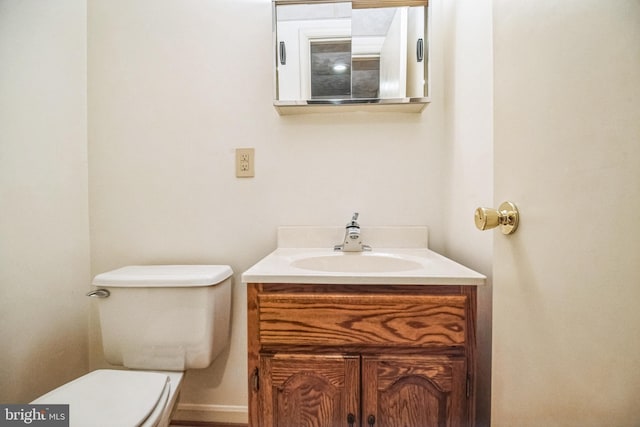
(212, 413)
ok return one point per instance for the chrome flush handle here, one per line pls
(99, 293)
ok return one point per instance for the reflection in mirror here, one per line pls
(360, 51)
(330, 69)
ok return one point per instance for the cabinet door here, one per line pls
(300, 390)
(411, 391)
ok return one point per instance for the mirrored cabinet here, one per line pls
(362, 54)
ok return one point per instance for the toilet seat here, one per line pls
(113, 398)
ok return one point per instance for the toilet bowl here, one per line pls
(157, 321)
(109, 398)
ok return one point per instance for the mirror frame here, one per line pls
(406, 104)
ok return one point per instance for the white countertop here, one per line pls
(426, 268)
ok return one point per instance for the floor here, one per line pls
(203, 424)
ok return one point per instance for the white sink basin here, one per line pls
(358, 262)
(382, 266)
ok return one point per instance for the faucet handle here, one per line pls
(354, 220)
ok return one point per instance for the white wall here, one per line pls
(44, 231)
(174, 88)
(468, 159)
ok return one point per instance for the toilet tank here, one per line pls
(166, 317)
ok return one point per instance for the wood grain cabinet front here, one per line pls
(359, 355)
(306, 389)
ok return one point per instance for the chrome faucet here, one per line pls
(352, 241)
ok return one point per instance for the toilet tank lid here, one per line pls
(164, 276)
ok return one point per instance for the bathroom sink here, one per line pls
(406, 266)
(356, 263)
(399, 256)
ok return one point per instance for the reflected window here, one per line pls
(330, 69)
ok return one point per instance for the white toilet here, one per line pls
(158, 321)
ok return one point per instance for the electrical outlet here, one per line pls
(245, 162)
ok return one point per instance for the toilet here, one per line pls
(157, 321)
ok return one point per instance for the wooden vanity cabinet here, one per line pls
(361, 355)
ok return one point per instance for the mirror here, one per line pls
(346, 53)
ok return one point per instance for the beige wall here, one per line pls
(174, 88)
(44, 231)
(468, 159)
(567, 150)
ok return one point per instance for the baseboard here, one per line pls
(191, 414)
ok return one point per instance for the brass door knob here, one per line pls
(506, 216)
